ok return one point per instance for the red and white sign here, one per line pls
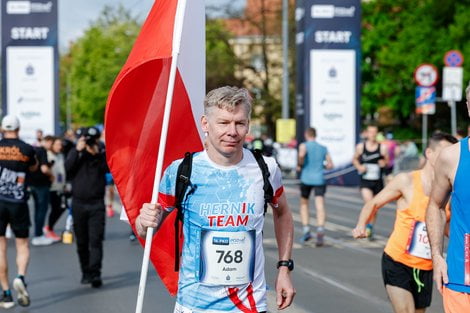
(426, 75)
(453, 58)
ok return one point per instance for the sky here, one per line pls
(76, 15)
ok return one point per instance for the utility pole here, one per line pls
(285, 54)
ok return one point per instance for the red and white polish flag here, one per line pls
(134, 115)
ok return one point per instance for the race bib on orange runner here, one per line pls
(227, 258)
(418, 243)
(467, 259)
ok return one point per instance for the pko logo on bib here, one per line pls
(221, 241)
(225, 241)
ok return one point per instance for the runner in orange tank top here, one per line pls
(406, 262)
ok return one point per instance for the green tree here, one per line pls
(261, 21)
(220, 58)
(93, 62)
(397, 36)
(89, 68)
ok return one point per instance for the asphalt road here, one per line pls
(344, 276)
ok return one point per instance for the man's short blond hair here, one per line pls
(228, 98)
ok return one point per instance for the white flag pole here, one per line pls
(177, 33)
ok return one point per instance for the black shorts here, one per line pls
(374, 185)
(17, 215)
(305, 190)
(399, 275)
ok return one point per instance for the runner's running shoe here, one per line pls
(41, 241)
(20, 286)
(320, 239)
(305, 237)
(48, 233)
(6, 300)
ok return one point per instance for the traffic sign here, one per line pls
(452, 83)
(453, 58)
(426, 75)
(425, 100)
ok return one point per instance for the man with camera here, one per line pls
(86, 167)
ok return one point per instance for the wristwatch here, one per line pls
(289, 263)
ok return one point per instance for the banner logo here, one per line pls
(28, 7)
(330, 11)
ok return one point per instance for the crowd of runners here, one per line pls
(432, 201)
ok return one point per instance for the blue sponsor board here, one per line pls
(328, 78)
(30, 64)
(425, 100)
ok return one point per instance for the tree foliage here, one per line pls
(397, 36)
(220, 58)
(93, 62)
(88, 70)
(262, 25)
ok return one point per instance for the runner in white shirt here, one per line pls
(222, 267)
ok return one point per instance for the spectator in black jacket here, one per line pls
(86, 167)
(40, 184)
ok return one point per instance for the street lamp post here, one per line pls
(285, 54)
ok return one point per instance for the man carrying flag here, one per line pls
(224, 217)
(222, 266)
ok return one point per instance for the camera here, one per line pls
(91, 134)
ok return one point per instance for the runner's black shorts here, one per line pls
(402, 276)
(305, 190)
(17, 215)
(374, 185)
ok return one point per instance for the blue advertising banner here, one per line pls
(30, 65)
(331, 82)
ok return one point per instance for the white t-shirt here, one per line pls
(223, 223)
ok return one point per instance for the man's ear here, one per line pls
(204, 124)
(427, 153)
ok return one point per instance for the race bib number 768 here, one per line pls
(227, 258)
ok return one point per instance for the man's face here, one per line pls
(47, 144)
(226, 131)
(372, 133)
(57, 146)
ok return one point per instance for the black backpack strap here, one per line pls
(267, 188)
(183, 181)
(183, 178)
